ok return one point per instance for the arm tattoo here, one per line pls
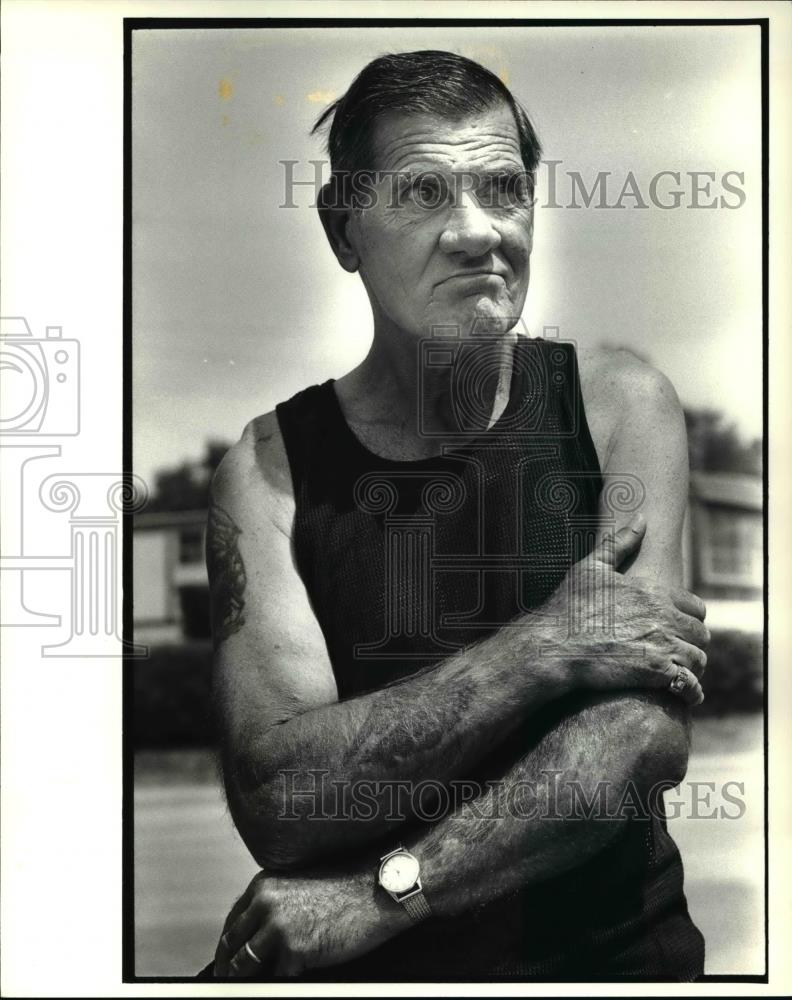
(227, 577)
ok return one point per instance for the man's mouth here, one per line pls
(468, 275)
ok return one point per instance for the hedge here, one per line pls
(734, 678)
(172, 703)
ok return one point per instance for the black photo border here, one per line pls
(133, 24)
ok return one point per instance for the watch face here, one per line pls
(399, 873)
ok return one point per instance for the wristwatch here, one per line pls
(399, 876)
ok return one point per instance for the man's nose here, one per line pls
(469, 229)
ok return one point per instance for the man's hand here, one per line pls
(617, 632)
(304, 922)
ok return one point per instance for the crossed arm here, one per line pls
(282, 700)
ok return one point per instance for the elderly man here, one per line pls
(453, 661)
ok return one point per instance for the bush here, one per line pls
(172, 697)
(734, 679)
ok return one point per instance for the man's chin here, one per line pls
(480, 317)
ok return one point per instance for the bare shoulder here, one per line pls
(612, 377)
(624, 394)
(254, 479)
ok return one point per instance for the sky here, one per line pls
(238, 302)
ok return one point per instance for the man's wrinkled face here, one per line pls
(448, 241)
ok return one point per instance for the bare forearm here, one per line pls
(556, 807)
(435, 724)
(439, 723)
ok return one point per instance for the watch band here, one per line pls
(413, 900)
(416, 906)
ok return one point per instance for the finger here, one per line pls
(689, 603)
(616, 547)
(252, 957)
(684, 684)
(691, 629)
(239, 907)
(222, 955)
(234, 938)
(690, 656)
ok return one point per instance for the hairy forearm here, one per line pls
(477, 854)
(558, 805)
(435, 724)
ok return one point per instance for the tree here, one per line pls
(716, 446)
(186, 487)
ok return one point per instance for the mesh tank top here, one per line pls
(405, 563)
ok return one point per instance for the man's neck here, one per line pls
(400, 391)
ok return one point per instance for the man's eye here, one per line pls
(522, 189)
(429, 191)
(505, 190)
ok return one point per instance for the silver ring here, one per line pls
(252, 953)
(679, 681)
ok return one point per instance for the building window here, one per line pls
(733, 551)
(191, 546)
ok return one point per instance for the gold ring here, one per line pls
(679, 682)
(252, 953)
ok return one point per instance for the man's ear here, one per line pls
(531, 232)
(532, 215)
(335, 220)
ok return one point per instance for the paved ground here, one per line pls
(724, 857)
(190, 865)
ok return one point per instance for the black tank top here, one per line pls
(405, 563)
